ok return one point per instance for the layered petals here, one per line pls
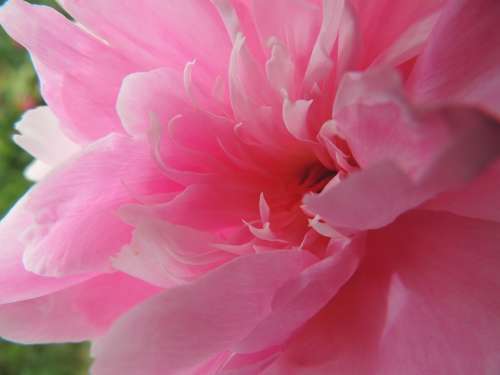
(301, 298)
(64, 235)
(404, 311)
(194, 321)
(164, 254)
(239, 187)
(406, 157)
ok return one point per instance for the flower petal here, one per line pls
(479, 199)
(187, 325)
(377, 36)
(81, 312)
(74, 227)
(171, 32)
(406, 157)
(424, 302)
(80, 75)
(40, 135)
(301, 298)
(16, 283)
(461, 62)
(164, 254)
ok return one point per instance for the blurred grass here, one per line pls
(18, 92)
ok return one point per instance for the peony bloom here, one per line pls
(260, 187)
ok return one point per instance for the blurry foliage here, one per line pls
(18, 92)
(43, 359)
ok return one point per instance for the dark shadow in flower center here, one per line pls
(315, 177)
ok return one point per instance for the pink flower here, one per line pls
(261, 187)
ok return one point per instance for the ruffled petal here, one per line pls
(74, 227)
(188, 325)
(81, 312)
(425, 301)
(16, 283)
(376, 195)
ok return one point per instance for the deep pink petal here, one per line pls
(461, 62)
(425, 301)
(171, 32)
(382, 22)
(301, 298)
(479, 199)
(186, 326)
(81, 312)
(80, 75)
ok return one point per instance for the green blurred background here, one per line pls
(18, 92)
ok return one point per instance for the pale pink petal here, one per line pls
(251, 94)
(425, 301)
(81, 312)
(320, 64)
(162, 98)
(79, 74)
(238, 18)
(164, 254)
(187, 325)
(74, 226)
(40, 134)
(373, 116)
(461, 62)
(365, 200)
(295, 116)
(294, 24)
